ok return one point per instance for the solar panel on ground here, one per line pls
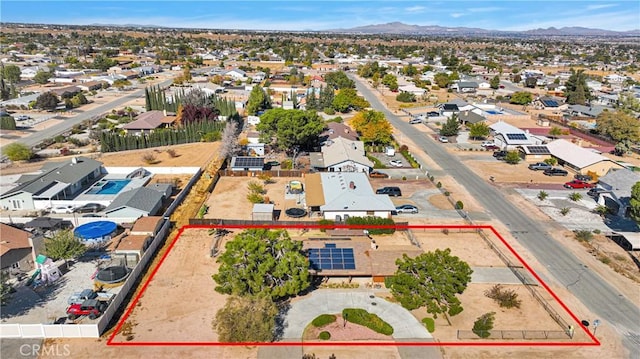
(249, 162)
(516, 136)
(539, 150)
(330, 245)
(331, 258)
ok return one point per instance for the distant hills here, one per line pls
(400, 28)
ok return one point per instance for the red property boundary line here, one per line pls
(132, 305)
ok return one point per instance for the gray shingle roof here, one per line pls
(142, 198)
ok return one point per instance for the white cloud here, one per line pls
(456, 15)
(484, 9)
(416, 9)
(600, 6)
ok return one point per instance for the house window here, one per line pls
(15, 265)
(370, 213)
(17, 204)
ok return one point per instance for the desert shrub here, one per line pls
(459, 205)
(324, 335)
(565, 210)
(430, 324)
(551, 161)
(256, 187)
(542, 195)
(483, 325)
(367, 222)
(172, 153)
(575, 196)
(403, 148)
(369, 320)
(506, 298)
(202, 211)
(597, 231)
(286, 164)
(149, 158)
(447, 193)
(325, 222)
(583, 235)
(323, 319)
(604, 260)
(329, 111)
(439, 184)
(254, 197)
(266, 179)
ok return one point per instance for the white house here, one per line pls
(338, 196)
(509, 137)
(236, 74)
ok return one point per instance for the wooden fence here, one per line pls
(270, 173)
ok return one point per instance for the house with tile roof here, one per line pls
(149, 121)
(18, 249)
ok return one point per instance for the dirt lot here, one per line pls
(188, 155)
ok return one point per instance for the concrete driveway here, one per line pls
(330, 301)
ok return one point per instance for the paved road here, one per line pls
(611, 307)
(37, 137)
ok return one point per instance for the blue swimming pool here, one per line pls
(494, 112)
(108, 186)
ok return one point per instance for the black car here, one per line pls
(391, 191)
(90, 208)
(584, 178)
(595, 192)
(555, 172)
(500, 154)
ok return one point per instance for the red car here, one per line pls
(578, 184)
(90, 307)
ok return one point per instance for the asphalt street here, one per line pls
(611, 307)
(37, 137)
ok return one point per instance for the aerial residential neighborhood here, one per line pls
(232, 191)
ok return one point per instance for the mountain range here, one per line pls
(400, 28)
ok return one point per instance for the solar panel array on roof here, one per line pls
(249, 162)
(539, 150)
(331, 258)
(549, 103)
(516, 136)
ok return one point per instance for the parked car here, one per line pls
(23, 118)
(415, 121)
(396, 163)
(62, 209)
(596, 191)
(433, 114)
(391, 191)
(272, 164)
(92, 308)
(378, 174)
(90, 208)
(500, 155)
(555, 172)
(585, 178)
(487, 143)
(492, 147)
(407, 208)
(443, 139)
(79, 297)
(540, 166)
(578, 184)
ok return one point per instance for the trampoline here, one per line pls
(95, 231)
(295, 212)
(111, 275)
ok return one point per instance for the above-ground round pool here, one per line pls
(97, 231)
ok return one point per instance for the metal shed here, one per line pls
(263, 212)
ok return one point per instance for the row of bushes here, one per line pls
(373, 221)
(369, 320)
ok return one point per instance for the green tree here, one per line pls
(409, 70)
(442, 79)
(5, 288)
(451, 127)
(262, 263)
(42, 77)
(495, 82)
(245, 319)
(103, 63)
(483, 325)
(348, 98)
(530, 82)
(431, 280)
(47, 101)
(635, 202)
(11, 73)
(577, 91)
(628, 103)
(521, 98)
(7, 123)
(372, 126)
(339, 80)
(64, 245)
(17, 151)
(619, 126)
(390, 81)
(555, 131)
(512, 157)
(290, 127)
(406, 97)
(478, 130)
(258, 100)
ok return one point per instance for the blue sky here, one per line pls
(322, 15)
